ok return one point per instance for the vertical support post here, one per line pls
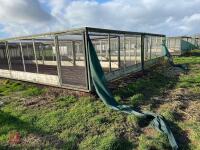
(101, 50)
(168, 43)
(156, 46)
(175, 45)
(53, 51)
(146, 48)
(150, 47)
(124, 47)
(36, 61)
(8, 56)
(109, 53)
(142, 51)
(58, 60)
(39, 53)
(129, 43)
(119, 60)
(163, 41)
(90, 85)
(86, 61)
(22, 55)
(74, 53)
(136, 47)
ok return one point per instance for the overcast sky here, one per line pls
(170, 17)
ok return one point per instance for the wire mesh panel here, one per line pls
(28, 56)
(118, 52)
(72, 57)
(45, 56)
(103, 49)
(174, 45)
(157, 48)
(16, 56)
(152, 47)
(131, 50)
(3, 57)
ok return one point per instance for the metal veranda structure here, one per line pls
(60, 58)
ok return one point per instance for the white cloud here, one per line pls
(23, 11)
(171, 17)
(21, 17)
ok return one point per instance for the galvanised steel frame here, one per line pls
(85, 33)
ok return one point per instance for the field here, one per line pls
(35, 117)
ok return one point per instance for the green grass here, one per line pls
(69, 122)
(8, 87)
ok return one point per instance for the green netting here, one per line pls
(187, 46)
(98, 79)
(170, 59)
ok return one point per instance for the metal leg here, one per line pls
(8, 56)
(22, 55)
(109, 53)
(58, 60)
(36, 61)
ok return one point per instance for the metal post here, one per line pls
(101, 50)
(146, 48)
(8, 56)
(129, 49)
(90, 85)
(175, 44)
(136, 50)
(124, 47)
(74, 53)
(142, 51)
(86, 61)
(119, 60)
(22, 55)
(53, 53)
(36, 61)
(150, 47)
(58, 60)
(109, 53)
(156, 46)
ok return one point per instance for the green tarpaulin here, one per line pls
(170, 59)
(99, 82)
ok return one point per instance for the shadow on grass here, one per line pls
(180, 135)
(154, 85)
(151, 85)
(11, 123)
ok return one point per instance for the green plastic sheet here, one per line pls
(99, 82)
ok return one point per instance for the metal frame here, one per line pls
(85, 33)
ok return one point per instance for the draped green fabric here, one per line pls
(170, 59)
(98, 79)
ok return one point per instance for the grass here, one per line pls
(48, 120)
(136, 99)
(8, 87)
